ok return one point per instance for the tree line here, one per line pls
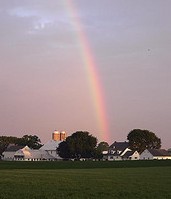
(82, 144)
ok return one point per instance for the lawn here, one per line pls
(69, 183)
(83, 165)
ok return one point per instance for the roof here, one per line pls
(13, 148)
(46, 155)
(119, 146)
(159, 152)
(39, 154)
(28, 153)
(128, 154)
(51, 145)
(25, 151)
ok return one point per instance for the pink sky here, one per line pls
(43, 81)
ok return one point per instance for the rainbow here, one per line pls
(92, 73)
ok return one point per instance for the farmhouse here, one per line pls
(120, 151)
(20, 153)
(155, 154)
(131, 155)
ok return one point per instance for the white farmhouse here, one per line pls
(155, 154)
(131, 155)
(120, 151)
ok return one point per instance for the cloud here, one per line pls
(40, 20)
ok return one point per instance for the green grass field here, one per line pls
(48, 180)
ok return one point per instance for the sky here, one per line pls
(75, 65)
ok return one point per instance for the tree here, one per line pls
(63, 150)
(142, 139)
(78, 145)
(5, 141)
(31, 141)
(102, 146)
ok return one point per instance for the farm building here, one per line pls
(131, 155)
(20, 153)
(120, 151)
(169, 151)
(47, 152)
(155, 154)
(9, 153)
(51, 148)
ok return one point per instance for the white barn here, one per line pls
(9, 153)
(20, 153)
(155, 154)
(51, 148)
(47, 152)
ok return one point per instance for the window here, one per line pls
(118, 152)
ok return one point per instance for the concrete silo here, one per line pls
(59, 136)
(56, 135)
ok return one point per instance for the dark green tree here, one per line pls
(102, 146)
(63, 150)
(79, 145)
(31, 141)
(5, 141)
(142, 139)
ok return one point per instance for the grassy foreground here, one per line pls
(70, 183)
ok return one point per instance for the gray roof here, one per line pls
(128, 154)
(13, 148)
(51, 145)
(119, 146)
(159, 152)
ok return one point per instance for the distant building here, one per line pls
(155, 154)
(169, 151)
(51, 148)
(47, 152)
(120, 151)
(20, 153)
(10, 151)
(131, 155)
